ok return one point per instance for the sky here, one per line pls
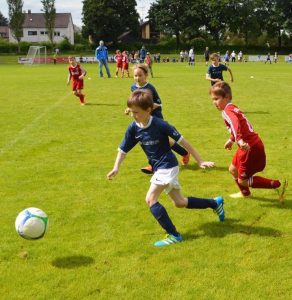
(73, 6)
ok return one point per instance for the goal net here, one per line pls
(36, 55)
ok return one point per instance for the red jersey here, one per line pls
(148, 61)
(238, 125)
(125, 59)
(75, 72)
(119, 59)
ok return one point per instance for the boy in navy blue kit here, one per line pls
(215, 70)
(153, 134)
(140, 77)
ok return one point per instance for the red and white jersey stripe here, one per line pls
(238, 125)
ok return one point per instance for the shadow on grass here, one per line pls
(101, 104)
(72, 262)
(232, 226)
(195, 167)
(273, 202)
(257, 112)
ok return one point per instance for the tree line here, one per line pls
(217, 20)
(222, 19)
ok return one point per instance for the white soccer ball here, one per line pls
(31, 223)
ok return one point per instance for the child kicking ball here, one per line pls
(153, 134)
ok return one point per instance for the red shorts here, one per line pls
(125, 66)
(77, 84)
(119, 65)
(250, 162)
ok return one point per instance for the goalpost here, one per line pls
(36, 55)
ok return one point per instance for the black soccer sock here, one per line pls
(179, 149)
(160, 214)
(201, 203)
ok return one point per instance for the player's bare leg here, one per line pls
(282, 192)
(242, 184)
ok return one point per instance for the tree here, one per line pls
(247, 21)
(170, 17)
(107, 20)
(278, 18)
(50, 18)
(3, 20)
(16, 19)
(212, 17)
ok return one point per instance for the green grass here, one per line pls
(55, 155)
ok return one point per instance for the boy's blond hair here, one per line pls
(214, 55)
(143, 67)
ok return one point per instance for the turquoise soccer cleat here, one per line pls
(219, 210)
(169, 240)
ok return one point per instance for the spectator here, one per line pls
(206, 56)
(142, 54)
(101, 55)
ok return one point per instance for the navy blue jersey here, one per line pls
(216, 72)
(156, 99)
(154, 141)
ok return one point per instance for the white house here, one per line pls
(34, 28)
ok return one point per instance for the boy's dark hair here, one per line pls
(222, 89)
(141, 98)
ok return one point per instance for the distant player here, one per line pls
(140, 77)
(76, 74)
(153, 136)
(125, 64)
(192, 57)
(215, 70)
(226, 58)
(119, 62)
(268, 59)
(250, 157)
(233, 56)
(207, 56)
(148, 61)
(275, 57)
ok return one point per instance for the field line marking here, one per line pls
(30, 126)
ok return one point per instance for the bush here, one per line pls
(198, 43)
(80, 47)
(65, 45)
(5, 46)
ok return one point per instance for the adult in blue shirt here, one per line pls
(101, 55)
(142, 54)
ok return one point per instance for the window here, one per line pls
(32, 33)
(44, 33)
(57, 33)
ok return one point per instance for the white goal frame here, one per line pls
(36, 55)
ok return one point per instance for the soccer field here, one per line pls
(55, 155)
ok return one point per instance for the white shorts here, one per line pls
(167, 177)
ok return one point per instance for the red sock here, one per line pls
(244, 189)
(81, 97)
(258, 182)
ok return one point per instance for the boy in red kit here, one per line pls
(76, 73)
(125, 66)
(119, 61)
(148, 61)
(250, 157)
